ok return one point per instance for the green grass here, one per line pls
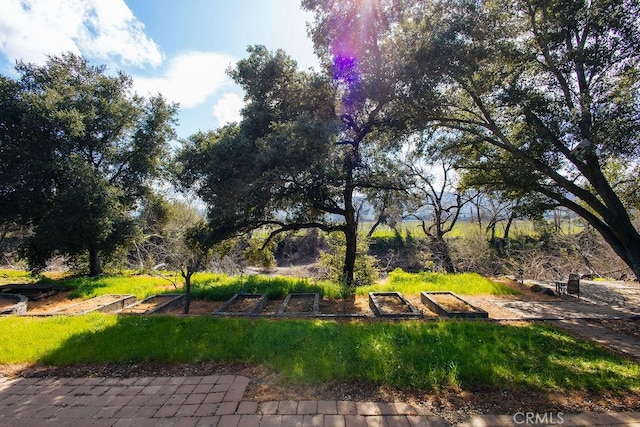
(406, 355)
(462, 283)
(220, 287)
(518, 228)
(141, 286)
(208, 286)
(14, 276)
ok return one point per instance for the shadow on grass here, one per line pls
(423, 356)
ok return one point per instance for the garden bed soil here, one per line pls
(92, 304)
(392, 304)
(52, 303)
(139, 308)
(299, 303)
(357, 305)
(6, 303)
(451, 303)
(243, 304)
(154, 303)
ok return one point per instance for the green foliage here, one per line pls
(461, 283)
(139, 285)
(79, 149)
(402, 250)
(545, 106)
(256, 255)
(220, 287)
(14, 276)
(365, 271)
(165, 226)
(295, 151)
(405, 355)
(206, 286)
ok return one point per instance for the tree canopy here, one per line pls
(288, 165)
(79, 148)
(546, 94)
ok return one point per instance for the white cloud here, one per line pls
(227, 109)
(190, 79)
(105, 29)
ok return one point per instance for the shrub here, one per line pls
(366, 271)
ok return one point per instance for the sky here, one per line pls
(180, 48)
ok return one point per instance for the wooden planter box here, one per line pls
(392, 304)
(13, 304)
(449, 304)
(109, 303)
(155, 304)
(256, 304)
(291, 305)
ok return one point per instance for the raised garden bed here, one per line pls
(303, 304)
(449, 304)
(34, 291)
(392, 304)
(104, 303)
(243, 304)
(13, 304)
(155, 304)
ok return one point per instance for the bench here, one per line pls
(570, 287)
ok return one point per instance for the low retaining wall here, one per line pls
(19, 306)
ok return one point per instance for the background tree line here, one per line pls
(529, 104)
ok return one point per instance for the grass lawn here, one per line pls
(407, 355)
(220, 287)
(14, 276)
(462, 283)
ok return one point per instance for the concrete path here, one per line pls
(217, 400)
(620, 343)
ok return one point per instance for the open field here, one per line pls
(518, 228)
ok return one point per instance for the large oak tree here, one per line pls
(546, 93)
(78, 149)
(294, 161)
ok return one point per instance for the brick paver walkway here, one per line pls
(216, 400)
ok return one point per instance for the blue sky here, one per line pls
(180, 48)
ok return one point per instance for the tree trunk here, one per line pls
(507, 228)
(350, 256)
(381, 218)
(351, 222)
(629, 250)
(187, 289)
(95, 269)
(441, 251)
(351, 240)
